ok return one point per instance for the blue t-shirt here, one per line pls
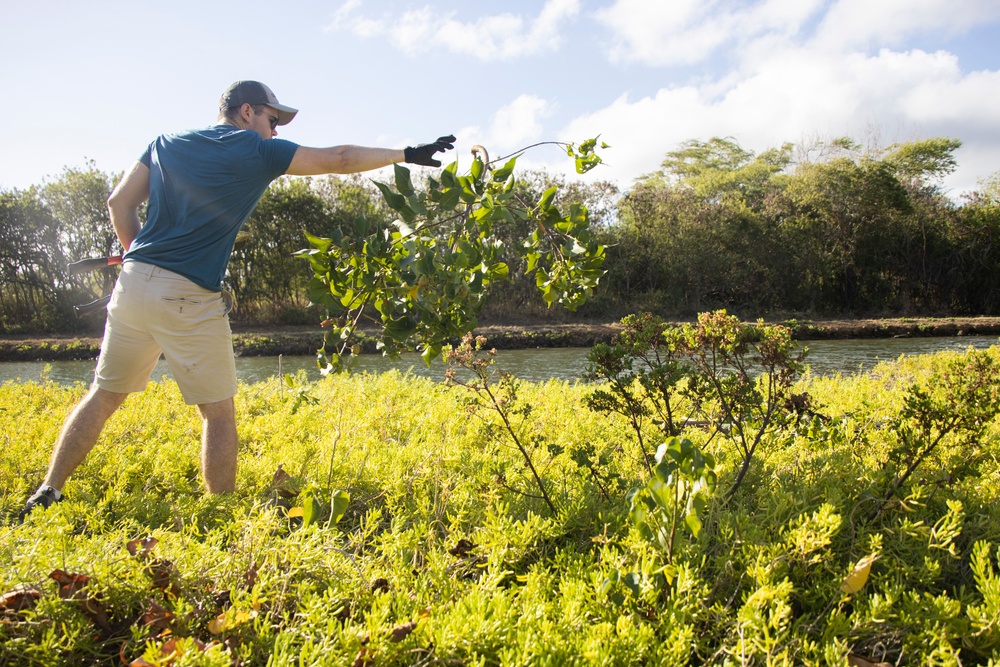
(203, 185)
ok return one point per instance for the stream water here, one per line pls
(826, 357)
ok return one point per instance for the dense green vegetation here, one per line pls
(830, 229)
(423, 283)
(688, 509)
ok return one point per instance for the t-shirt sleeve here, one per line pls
(147, 156)
(278, 154)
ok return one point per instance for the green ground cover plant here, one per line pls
(390, 520)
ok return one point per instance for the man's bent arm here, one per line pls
(124, 203)
(341, 160)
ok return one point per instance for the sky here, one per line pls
(96, 81)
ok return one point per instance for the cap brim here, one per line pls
(285, 114)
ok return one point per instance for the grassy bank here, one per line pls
(270, 341)
(388, 520)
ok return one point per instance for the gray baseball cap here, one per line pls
(254, 92)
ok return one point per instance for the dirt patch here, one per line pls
(270, 341)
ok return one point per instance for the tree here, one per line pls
(266, 279)
(29, 298)
(78, 202)
(696, 233)
(923, 163)
(974, 236)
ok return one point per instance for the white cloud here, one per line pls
(862, 23)
(344, 19)
(503, 36)
(972, 99)
(685, 32)
(690, 31)
(520, 121)
(800, 93)
(513, 127)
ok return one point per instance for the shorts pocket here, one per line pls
(187, 300)
(187, 313)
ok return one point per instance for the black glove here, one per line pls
(424, 153)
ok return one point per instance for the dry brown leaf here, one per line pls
(462, 548)
(170, 650)
(71, 587)
(141, 547)
(250, 577)
(858, 661)
(19, 598)
(284, 483)
(361, 659)
(156, 617)
(162, 573)
(222, 599)
(69, 584)
(400, 632)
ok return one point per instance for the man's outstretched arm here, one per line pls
(341, 160)
(353, 159)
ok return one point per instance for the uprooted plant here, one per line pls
(424, 282)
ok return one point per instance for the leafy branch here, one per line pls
(423, 283)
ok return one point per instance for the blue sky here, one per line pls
(98, 80)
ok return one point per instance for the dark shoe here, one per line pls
(44, 498)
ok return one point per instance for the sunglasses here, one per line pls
(271, 119)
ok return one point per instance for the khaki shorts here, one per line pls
(153, 310)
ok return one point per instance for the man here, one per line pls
(201, 186)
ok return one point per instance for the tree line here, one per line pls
(828, 229)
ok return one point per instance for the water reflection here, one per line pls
(825, 358)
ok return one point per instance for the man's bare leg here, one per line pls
(80, 432)
(219, 446)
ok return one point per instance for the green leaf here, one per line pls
(693, 523)
(532, 261)
(407, 214)
(318, 292)
(503, 173)
(338, 506)
(468, 193)
(403, 182)
(632, 581)
(430, 353)
(310, 510)
(546, 201)
(395, 200)
(424, 265)
(320, 243)
(450, 198)
(585, 164)
(499, 270)
(404, 229)
(448, 178)
(549, 295)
